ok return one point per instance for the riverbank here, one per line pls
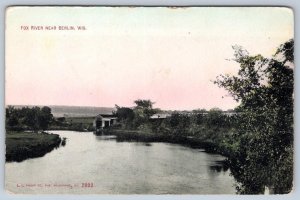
(23, 145)
(148, 136)
(70, 128)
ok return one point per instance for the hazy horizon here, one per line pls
(112, 107)
(169, 56)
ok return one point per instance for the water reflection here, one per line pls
(106, 137)
(219, 166)
(147, 144)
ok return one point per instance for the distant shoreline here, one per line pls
(72, 111)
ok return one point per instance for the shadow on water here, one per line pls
(147, 144)
(219, 166)
(106, 137)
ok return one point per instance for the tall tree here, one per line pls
(145, 104)
(264, 140)
(144, 108)
(143, 111)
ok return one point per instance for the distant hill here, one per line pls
(75, 111)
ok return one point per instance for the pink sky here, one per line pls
(167, 55)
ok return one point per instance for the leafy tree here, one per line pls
(11, 116)
(215, 118)
(143, 111)
(145, 104)
(124, 113)
(264, 140)
(200, 111)
(199, 116)
(44, 117)
(179, 124)
(30, 117)
(175, 120)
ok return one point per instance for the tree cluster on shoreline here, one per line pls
(21, 145)
(176, 123)
(26, 118)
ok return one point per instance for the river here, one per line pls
(90, 164)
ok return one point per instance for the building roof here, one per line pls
(110, 116)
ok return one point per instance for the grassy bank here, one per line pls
(23, 145)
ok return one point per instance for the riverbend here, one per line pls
(91, 164)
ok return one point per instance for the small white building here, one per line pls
(160, 116)
(102, 121)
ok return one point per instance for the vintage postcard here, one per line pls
(149, 100)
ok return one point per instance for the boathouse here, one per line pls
(102, 121)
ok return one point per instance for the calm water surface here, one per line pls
(119, 168)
